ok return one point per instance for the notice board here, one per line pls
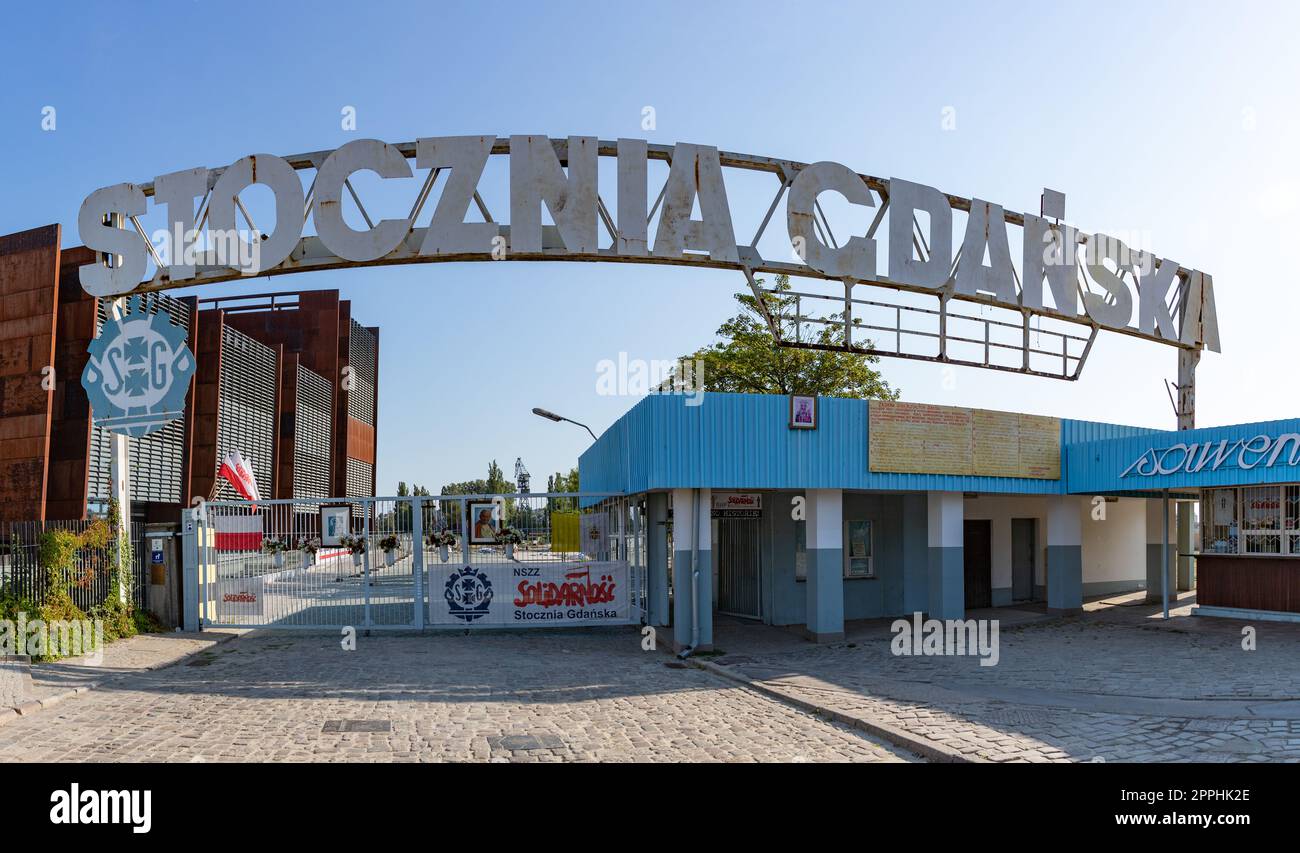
(919, 438)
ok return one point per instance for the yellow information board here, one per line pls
(564, 532)
(919, 438)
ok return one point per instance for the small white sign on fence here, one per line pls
(240, 597)
(497, 595)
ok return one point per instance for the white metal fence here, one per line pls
(463, 561)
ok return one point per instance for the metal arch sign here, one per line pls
(1093, 280)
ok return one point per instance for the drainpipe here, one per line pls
(695, 577)
(1164, 551)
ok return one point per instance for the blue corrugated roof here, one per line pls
(742, 441)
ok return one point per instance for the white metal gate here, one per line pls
(464, 561)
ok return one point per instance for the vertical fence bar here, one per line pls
(464, 530)
(417, 559)
(365, 560)
(638, 569)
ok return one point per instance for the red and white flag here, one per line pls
(238, 532)
(235, 468)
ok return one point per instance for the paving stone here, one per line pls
(1115, 656)
(584, 696)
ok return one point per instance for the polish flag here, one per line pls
(238, 532)
(235, 468)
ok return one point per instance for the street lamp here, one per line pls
(551, 416)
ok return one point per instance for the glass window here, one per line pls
(1219, 522)
(857, 550)
(1261, 520)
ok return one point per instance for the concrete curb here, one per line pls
(898, 737)
(26, 709)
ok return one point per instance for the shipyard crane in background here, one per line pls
(521, 475)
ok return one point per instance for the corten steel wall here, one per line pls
(319, 330)
(286, 419)
(69, 466)
(311, 432)
(304, 432)
(362, 410)
(207, 388)
(52, 458)
(29, 293)
(236, 404)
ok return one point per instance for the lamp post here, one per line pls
(551, 416)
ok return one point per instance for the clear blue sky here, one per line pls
(1176, 120)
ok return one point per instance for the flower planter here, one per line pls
(356, 560)
(510, 551)
(278, 559)
(444, 552)
(308, 559)
(390, 557)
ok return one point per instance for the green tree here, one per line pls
(748, 360)
(496, 480)
(562, 483)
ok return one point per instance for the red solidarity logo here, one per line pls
(567, 594)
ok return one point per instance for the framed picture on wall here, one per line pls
(803, 411)
(857, 550)
(484, 522)
(335, 523)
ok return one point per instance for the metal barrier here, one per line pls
(462, 561)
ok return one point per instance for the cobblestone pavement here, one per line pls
(539, 696)
(1114, 684)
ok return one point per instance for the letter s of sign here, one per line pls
(857, 257)
(1115, 313)
(108, 203)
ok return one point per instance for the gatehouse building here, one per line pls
(845, 509)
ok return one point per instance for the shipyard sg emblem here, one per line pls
(468, 594)
(138, 373)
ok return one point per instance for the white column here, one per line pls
(692, 596)
(656, 540)
(1158, 542)
(946, 582)
(825, 555)
(120, 485)
(1064, 554)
